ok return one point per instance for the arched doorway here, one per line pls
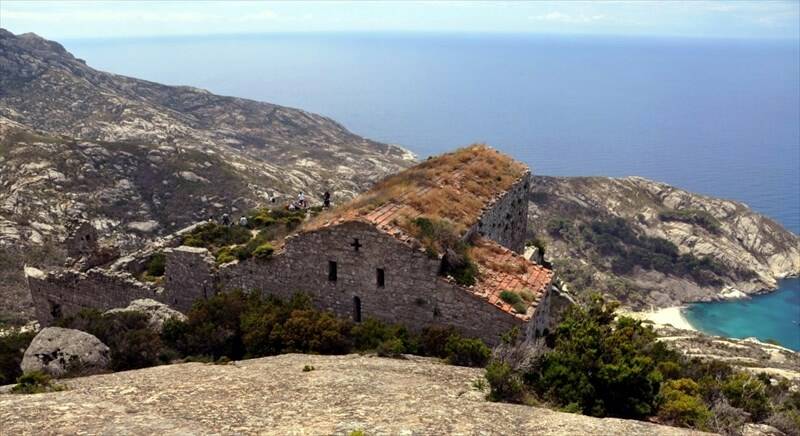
(356, 309)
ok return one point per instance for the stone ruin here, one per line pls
(357, 267)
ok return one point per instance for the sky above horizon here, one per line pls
(100, 19)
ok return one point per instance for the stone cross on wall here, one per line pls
(356, 245)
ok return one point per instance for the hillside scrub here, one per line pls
(692, 216)
(607, 366)
(12, 348)
(264, 231)
(622, 249)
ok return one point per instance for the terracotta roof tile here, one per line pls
(500, 269)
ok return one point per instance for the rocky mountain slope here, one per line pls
(141, 159)
(342, 394)
(651, 244)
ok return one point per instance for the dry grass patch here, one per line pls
(454, 187)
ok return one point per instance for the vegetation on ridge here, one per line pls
(603, 365)
(264, 231)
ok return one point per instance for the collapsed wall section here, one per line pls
(506, 220)
(65, 293)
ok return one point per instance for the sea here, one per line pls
(715, 116)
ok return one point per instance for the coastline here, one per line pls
(665, 316)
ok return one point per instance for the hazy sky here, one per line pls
(741, 19)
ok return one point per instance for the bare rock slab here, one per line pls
(62, 352)
(274, 396)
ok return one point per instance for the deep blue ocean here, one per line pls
(718, 117)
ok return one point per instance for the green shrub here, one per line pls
(514, 300)
(748, 393)
(504, 383)
(308, 368)
(12, 347)
(212, 327)
(213, 236)
(680, 404)
(371, 333)
(433, 340)
(311, 331)
(605, 367)
(391, 348)
(467, 352)
(35, 382)
(156, 265)
(263, 251)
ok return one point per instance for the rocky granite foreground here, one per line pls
(275, 396)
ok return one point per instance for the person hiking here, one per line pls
(226, 220)
(326, 199)
(301, 200)
(243, 221)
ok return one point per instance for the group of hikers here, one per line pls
(299, 204)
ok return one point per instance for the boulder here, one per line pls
(63, 352)
(158, 313)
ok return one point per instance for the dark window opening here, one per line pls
(331, 271)
(356, 309)
(55, 310)
(379, 276)
(356, 245)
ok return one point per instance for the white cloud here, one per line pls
(560, 17)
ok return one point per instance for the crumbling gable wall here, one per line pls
(506, 220)
(413, 294)
(188, 276)
(81, 240)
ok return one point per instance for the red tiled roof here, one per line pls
(456, 186)
(500, 269)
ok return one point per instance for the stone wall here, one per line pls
(506, 220)
(412, 294)
(65, 293)
(81, 240)
(188, 276)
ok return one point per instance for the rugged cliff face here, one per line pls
(141, 159)
(650, 244)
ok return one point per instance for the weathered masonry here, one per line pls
(375, 257)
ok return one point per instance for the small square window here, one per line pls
(379, 276)
(331, 271)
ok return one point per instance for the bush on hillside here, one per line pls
(213, 236)
(156, 265)
(467, 352)
(680, 404)
(35, 382)
(12, 348)
(748, 393)
(603, 367)
(504, 384)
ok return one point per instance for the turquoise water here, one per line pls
(770, 316)
(718, 117)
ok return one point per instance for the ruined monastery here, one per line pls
(441, 243)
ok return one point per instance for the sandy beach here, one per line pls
(668, 315)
